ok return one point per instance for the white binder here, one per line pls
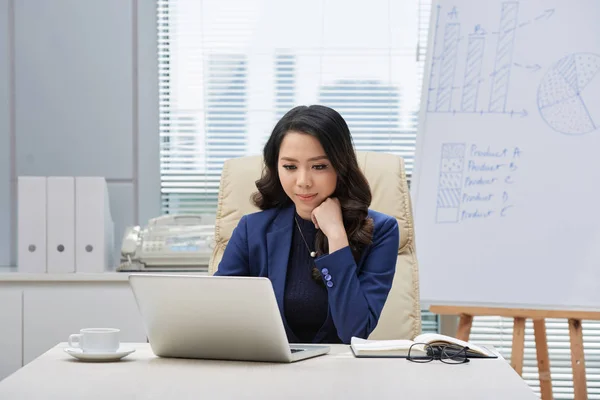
(94, 227)
(60, 224)
(31, 224)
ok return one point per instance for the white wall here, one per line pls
(85, 102)
(5, 137)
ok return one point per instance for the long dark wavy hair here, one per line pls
(352, 189)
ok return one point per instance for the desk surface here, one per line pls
(338, 375)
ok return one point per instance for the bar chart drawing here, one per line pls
(458, 80)
(433, 67)
(503, 59)
(448, 67)
(473, 66)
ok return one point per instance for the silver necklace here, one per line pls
(313, 254)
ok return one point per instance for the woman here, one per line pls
(330, 259)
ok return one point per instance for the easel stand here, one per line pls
(541, 344)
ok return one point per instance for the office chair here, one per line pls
(401, 315)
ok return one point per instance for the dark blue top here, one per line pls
(305, 302)
(261, 245)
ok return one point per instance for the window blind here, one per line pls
(497, 331)
(229, 69)
(429, 322)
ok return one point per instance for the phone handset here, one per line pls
(131, 242)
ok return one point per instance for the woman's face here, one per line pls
(307, 176)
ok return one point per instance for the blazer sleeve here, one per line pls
(356, 300)
(235, 257)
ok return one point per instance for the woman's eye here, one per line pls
(289, 167)
(320, 166)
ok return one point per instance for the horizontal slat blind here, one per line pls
(220, 94)
(497, 331)
(429, 322)
(229, 69)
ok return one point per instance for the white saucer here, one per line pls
(112, 356)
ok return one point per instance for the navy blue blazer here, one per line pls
(260, 246)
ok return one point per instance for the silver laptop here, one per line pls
(224, 318)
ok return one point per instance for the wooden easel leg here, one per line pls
(541, 347)
(518, 345)
(577, 359)
(464, 327)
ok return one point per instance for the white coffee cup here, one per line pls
(96, 340)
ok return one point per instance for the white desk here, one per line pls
(56, 375)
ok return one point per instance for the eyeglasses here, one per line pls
(449, 354)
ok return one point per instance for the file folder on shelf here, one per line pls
(31, 224)
(94, 227)
(60, 224)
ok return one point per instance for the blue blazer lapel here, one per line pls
(279, 241)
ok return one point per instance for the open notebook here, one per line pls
(399, 348)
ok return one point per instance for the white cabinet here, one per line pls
(52, 312)
(11, 322)
(38, 311)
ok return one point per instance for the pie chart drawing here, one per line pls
(568, 93)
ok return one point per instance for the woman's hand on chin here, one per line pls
(328, 218)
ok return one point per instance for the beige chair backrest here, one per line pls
(401, 315)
